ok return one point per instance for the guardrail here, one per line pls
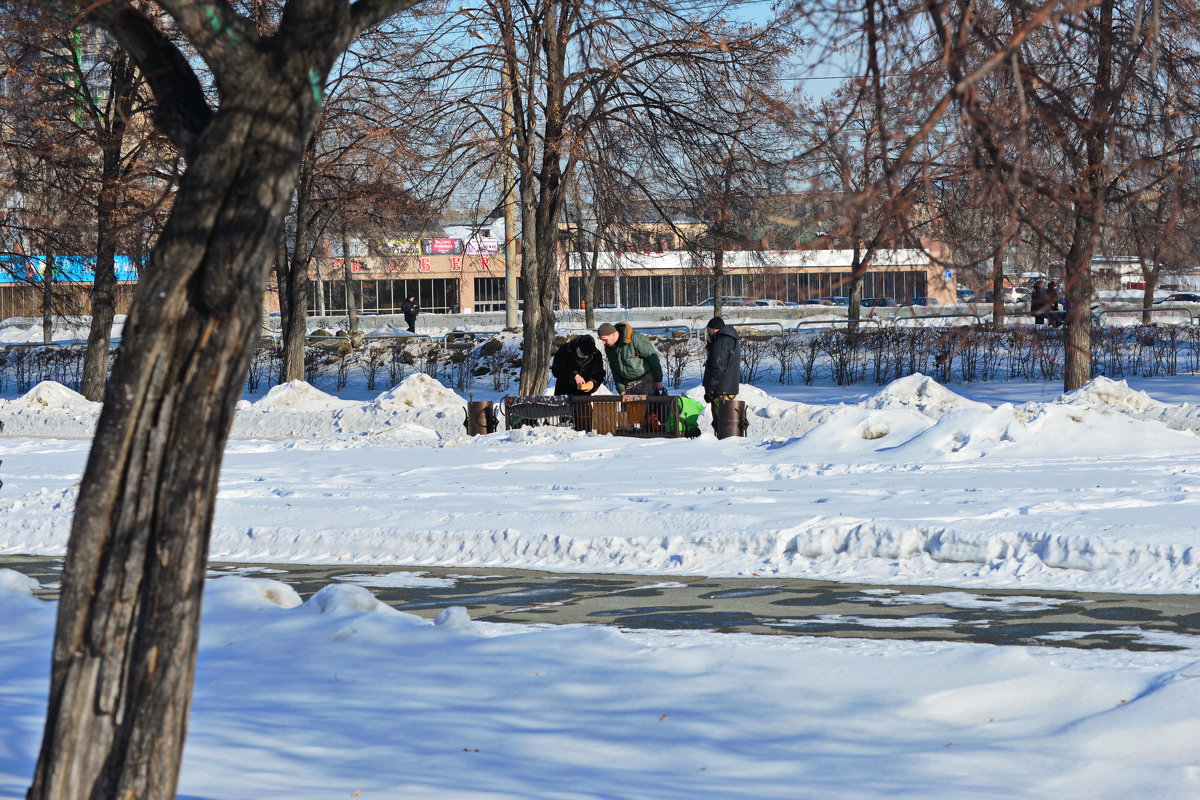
(833, 323)
(377, 337)
(896, 320)
(677, 326)
(768, 324)
(1101, 313)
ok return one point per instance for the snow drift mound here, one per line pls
(1108, 396)
(49, 410)
(419, 391)
(49, 394)
(300, 396)
(915, 420)
(387, 330)
(1103, 391)
(900, 410)
(919, 393)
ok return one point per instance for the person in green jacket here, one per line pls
(635, 365)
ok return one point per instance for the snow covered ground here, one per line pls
(913, 484)
(999, 485)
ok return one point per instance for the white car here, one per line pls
(1012, 295)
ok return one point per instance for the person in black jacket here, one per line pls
(577, 367)
(410, 308)
(1039, 303)
(723, 366)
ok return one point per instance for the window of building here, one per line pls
(435, 295)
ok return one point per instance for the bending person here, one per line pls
(635, 364)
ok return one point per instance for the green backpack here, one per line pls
(689, 414)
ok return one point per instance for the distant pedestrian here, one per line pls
(635, 364)
(1039, 304)
(410, 308)
(577, 367)
(722, 365)
(1056, 304)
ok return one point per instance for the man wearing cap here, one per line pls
(635, 365)
(723, 366)
(577, 367)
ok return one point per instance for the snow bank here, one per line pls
(919, 393)
(420, 411)
(1106, 395)
(419, 391)
(298, 396)
(914, 483)
(340, 696)
(28, 330)
(49, 410)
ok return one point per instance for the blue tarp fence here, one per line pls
(67, 269)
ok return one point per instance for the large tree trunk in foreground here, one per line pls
(128, 621)
(128, 617)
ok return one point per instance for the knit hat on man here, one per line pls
(606, 328)
(716, 323)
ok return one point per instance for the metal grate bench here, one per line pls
(646, 416)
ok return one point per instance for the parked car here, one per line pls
(966, 295)
(923, 301)
(770, 301)
(728, 301)
(836, 300)
(1180, 297)
(879, 302)
(1012, 295)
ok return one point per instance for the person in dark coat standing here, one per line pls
(1053, 301)
(722, 366)
(1039, 304)
(577, 367)
(410, 308)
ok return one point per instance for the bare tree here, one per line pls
(1159, 224)
(571, 65)
(1097, 91)
(82, 116)
(726, 182)
(125, 644)
(359, 173)
(847, 138)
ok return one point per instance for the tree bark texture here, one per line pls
(294, 285)
(718, 282)
(48, 298)
(857, 269)
(351, 284)
(998, 293)
(1077, 360)
(128, 621)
